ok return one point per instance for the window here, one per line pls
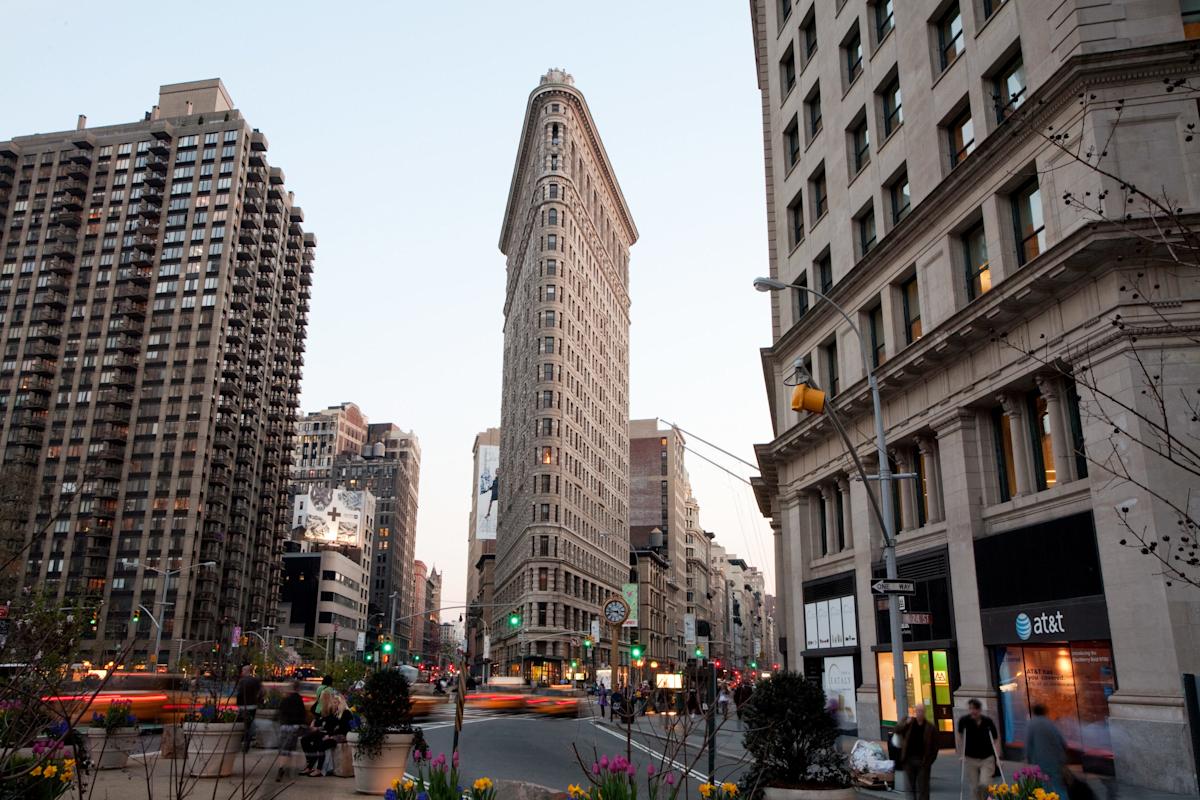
(808, 34)
(800, 297)
(812, 108)
(795, 221)
(787, 69)
(1006, 474)
(866, 232)
(893, 111)
(785, 11)
(885, 19)
(860, 142)
(878, 339)
(990, 7)
(822, 525)
(543, 577)
(1028, 225)
(962, 137)
(820, 199)
(1009, 90)
(901, 198)
(839, 508)
(950, 36)
(854, 54)
(791, 143)
(824, 266)
(912, 310)
(975, 256)
(831, 367)
(1043, 450)
(1072, 397)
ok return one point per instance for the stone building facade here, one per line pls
(916, 174)
(481, 548)
(154, 300)
(562, 545)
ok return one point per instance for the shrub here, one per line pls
(382, 708)
(791, 735)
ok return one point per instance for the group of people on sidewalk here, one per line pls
(317, 736)
(977, 743)
(625, 701)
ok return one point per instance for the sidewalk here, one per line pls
(945, 784)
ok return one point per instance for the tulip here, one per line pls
(650, 770)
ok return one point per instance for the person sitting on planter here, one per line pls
(329, 732)
(292, 718)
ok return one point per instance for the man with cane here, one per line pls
(976, 741)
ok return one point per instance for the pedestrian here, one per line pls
(617, 701)
(602, 699)
(249, 695)
(318, 707)
(292, 719)
(918, 749)
(723, 702)
(976, 741)
(1046, 749)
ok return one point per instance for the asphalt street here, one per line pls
(547, 750)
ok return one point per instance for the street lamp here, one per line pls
(886, 520)
(167, 575)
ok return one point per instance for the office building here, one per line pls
(154, 300)
(562, 546)
(481, 548)
(931, 168)
(322, 436)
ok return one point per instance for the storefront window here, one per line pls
(1073, 681)
(927, 678)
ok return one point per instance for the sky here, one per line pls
(396, 125)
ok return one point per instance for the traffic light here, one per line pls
(416, 656)
(587, 643)
(717, 663)
(574, 663)
(137, 616)
(368, 657)
(699, 652)
(514, 619)
(635, 652)
(753, 665)
(806, 398)
(387, 646)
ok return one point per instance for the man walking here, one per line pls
(976, 742)
(1045, 748)
(249, 696)
(918, 749)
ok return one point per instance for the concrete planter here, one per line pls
(212, 748)
(266, 732)
(111, 749)
(771, 793)
(375, 775)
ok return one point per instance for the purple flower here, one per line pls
(596, 768)
(603, 762)
(389, 794)
(670, 779)
(631, 771)
(650, 770)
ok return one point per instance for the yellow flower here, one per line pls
(36, 771)
(407, 785)
(1052, 796)
(577, 792)
(706, 789)
(50, 771)
(483, 784)
(730, 789)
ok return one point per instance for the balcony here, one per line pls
(149, 211)
(246, 252)
(62, 233)
(258, 142)
(25, 437)
(112, 453)
(50, 315)
(116, 397)
(156, 163)
(132, 291)
(248, 236)
(129, 308)
(151, 196)
(41, 366)
(110, 432)
(34, 420)
(79, 170)
(59, 250)
(136, 274)
(155, 179)
(148, 243)
(68, 218)
(35, 383)
(50, 297)
(72, 187)
(69, 202)
(82, 154)
(124, 326)
(59, 265)
(126, 343)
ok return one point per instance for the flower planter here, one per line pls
(375, 775)
(212, 748)
(111, 749)
(772, 793)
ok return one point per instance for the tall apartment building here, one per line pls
(322, 436)
(563, 538)
(922, 172)
(481, 546)
(153, 304)
(419, 619)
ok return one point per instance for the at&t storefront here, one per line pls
(1045, 624)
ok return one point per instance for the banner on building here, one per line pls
(595, 633)
(630, 592)
(487, 490)
(689, 629)
(837, 680)
(332, 516)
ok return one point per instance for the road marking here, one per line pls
(653, 752)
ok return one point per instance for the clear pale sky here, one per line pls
(396, 125)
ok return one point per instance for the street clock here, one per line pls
(616, 611)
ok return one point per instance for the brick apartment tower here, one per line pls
(563, 534)
(154, 300)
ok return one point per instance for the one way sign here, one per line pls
(894, 587)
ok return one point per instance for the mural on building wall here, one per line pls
(331, 516)
(487, 491)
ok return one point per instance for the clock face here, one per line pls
(615, 611)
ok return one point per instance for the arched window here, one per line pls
(553, 216)
(554, 134)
